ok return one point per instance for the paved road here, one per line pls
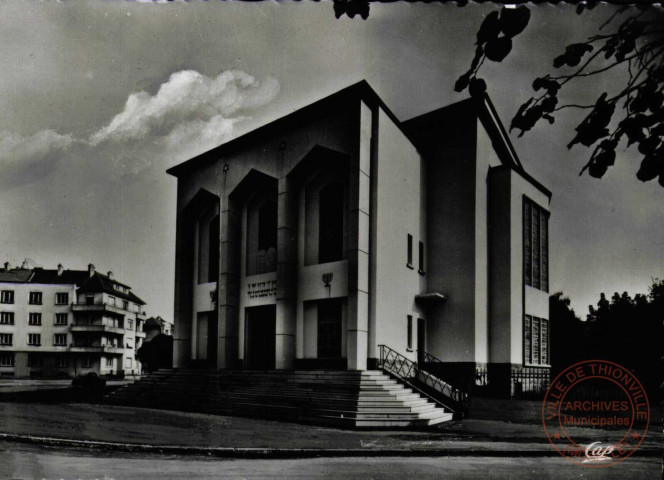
(29, 462)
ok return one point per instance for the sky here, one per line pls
(98, 99)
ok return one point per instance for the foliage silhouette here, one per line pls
(635, 44)
(625, 330)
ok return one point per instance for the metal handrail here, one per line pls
(457, 393)
(407, 370)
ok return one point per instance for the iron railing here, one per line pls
(456, 394)
(408, 371)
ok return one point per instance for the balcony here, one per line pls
(96, 349)
(98, 307)
(80, 328)
(141, 315)
(140, 334)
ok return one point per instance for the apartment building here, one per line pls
(61, 322)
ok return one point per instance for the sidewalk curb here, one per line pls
(277, 453)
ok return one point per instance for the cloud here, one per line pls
(189, 114)
(187, 100)
(26, 159)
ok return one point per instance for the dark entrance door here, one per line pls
(329, 329)
(260, 337)
(421, 339)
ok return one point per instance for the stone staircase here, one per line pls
(367, 399)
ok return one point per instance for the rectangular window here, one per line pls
(111, 301)
(125, 304)
(61, 319)
(7, 296)
(130, 324)
(6, 318)
(128, 362)
(61, 298)
(61, 361)
(535, 245)
(409, 263)
(89, 299)
(130, 344)
(35, 361)
(109, 362)
(34, 318)
(330, 223)
(6, 338)
(60, 340)
(35, 298)
(420, 257)
(6, 359)
(87, 362)
(535, 340)
(34, 339)
(409, 332)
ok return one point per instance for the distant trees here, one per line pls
(625, 330)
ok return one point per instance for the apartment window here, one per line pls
(6, 359)
(111, 301)
(409, 332)
(130, 324)
(89, 299)
(125, 304)
(6, 338)
(6, 318)
(409, 263)
(34, 339)
(535, 340)
(128, 362)
(87, 362)
(61, 298)
(35, 361)
(130, 344)
(60, 339)
(61, 361)
(109, 362)
(331, 223)
(7, 296)
(35, 298)
(61, 319)
(535, 245)
(34, 318)
(420, 257)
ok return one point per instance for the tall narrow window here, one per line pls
(409, 332)
(331, 223)
(535, 246)
(266, 257)
(213, 245)
(420, 256)
(409, 246)
(535, 340)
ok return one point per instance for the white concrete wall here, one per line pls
(486, 158)
(400, 211)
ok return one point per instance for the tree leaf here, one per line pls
(514, 20)
(498, 49)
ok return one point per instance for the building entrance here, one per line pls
(260, 337)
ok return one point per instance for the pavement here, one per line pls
(139, 430)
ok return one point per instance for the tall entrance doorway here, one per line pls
(206, 340)
(260, 337)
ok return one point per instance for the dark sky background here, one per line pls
(98, 99)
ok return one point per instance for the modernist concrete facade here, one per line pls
(68, 322)
(313, 240)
